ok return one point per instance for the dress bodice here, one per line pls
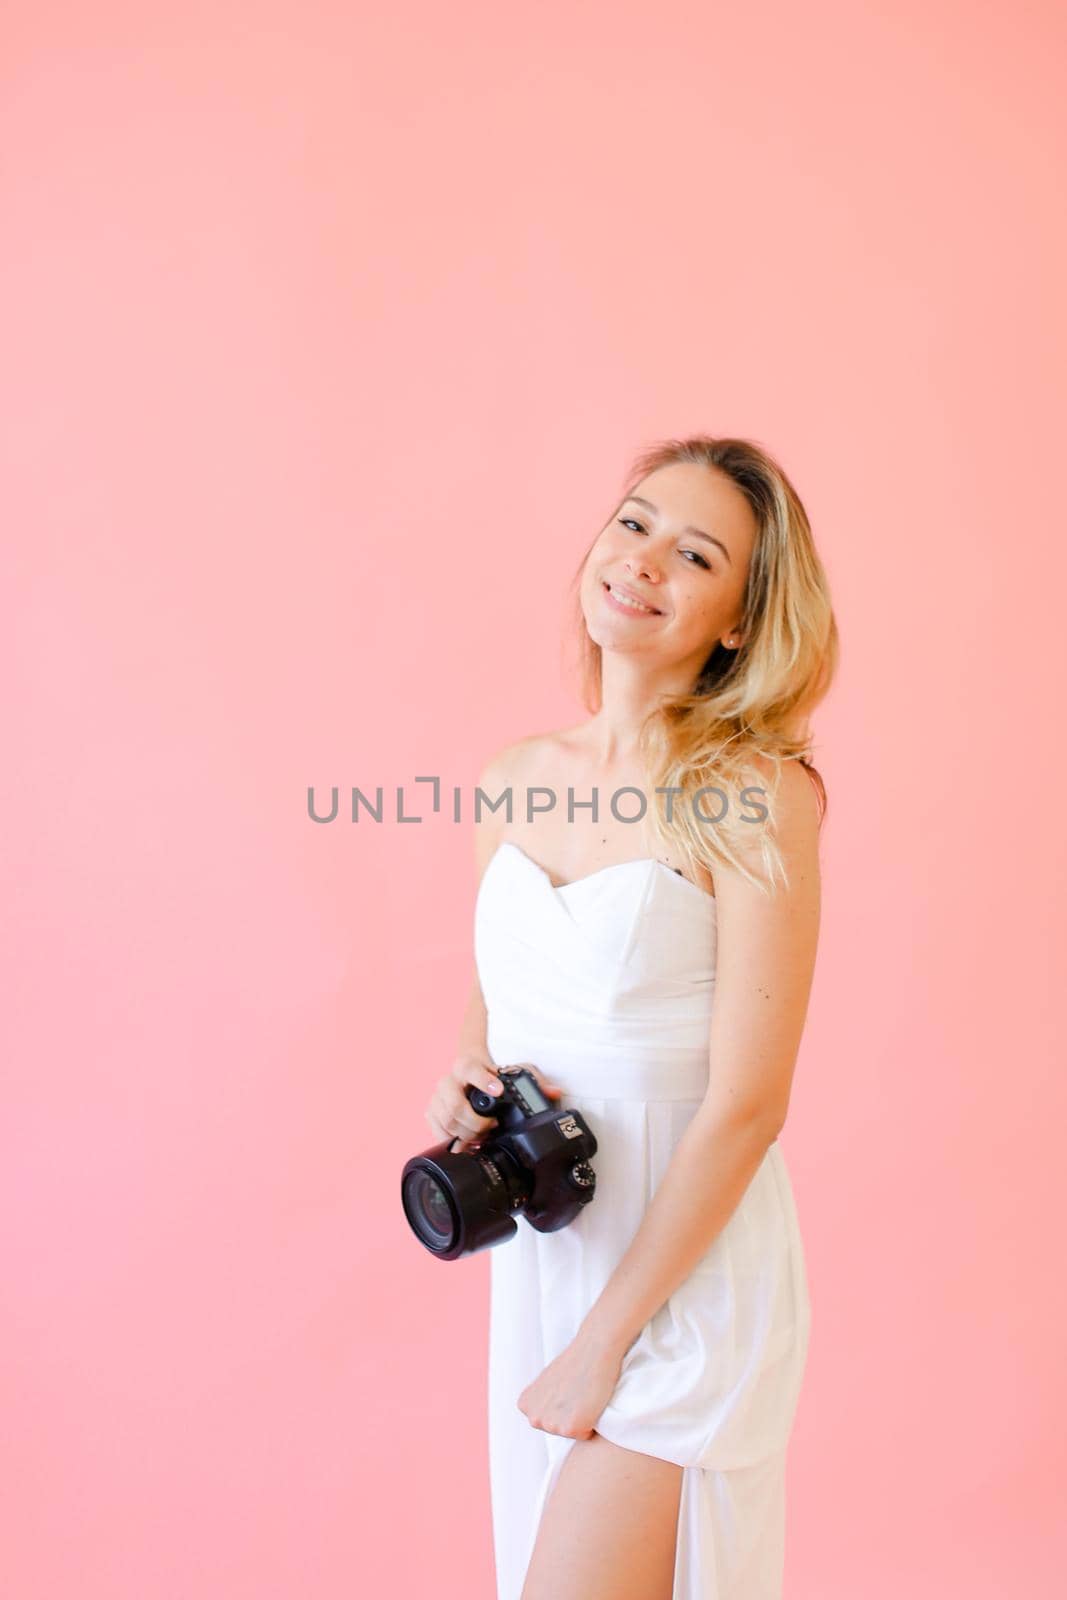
(605, 983)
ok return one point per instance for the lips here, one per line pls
(616, 588)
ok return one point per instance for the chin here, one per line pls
(612, 639)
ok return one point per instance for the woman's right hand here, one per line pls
(451, 1115)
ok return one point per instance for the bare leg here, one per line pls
(609, 1528)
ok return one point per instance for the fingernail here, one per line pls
(496, 1088)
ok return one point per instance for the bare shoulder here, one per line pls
(512, 767)
(794, 801)
(512, 762)
(533, 759)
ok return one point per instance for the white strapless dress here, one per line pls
(607, 985)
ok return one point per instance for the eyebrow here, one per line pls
(697, 533)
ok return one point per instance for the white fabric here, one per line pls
(607, 985)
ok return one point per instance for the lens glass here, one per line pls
(428, 1209)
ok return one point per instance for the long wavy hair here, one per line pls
(749, 703)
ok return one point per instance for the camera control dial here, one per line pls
(582, 1175)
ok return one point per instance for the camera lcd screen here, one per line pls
(528, 1095)
(535, 1100)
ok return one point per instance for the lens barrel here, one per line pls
(463, 1202)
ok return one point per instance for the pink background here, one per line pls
(328, 337)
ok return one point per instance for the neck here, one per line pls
(629, 691)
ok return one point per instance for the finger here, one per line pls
(445, 1125)
(481, 1077)
(547, 1084)
(469, 1125)
(463, 1112)
(468, 1143)
(485, 1127)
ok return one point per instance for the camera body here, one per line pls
(535, 1161)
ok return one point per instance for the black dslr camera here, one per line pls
(536, 1161)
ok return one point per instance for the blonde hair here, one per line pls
(747, 703)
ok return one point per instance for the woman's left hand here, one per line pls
(573, 1390)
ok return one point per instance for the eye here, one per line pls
(632, 522)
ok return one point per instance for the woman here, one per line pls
(651, 961)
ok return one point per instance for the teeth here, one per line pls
(624, 599)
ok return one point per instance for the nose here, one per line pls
(642, 564)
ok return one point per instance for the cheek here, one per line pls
(698, 613)
(594, 566)
(598, 558)
(696, 604)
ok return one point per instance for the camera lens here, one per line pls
(460, 1202)
(429, 1210)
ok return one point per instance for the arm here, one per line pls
(473, 1043)
(472, 1030)
(493, 777)
(764, 971)
(449, 1113)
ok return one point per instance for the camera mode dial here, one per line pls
(582, 1175)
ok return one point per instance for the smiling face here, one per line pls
(681, 547)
